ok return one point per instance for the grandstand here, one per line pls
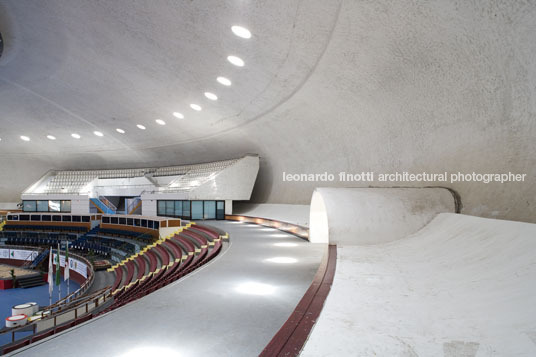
(146, 260)
(137, 191)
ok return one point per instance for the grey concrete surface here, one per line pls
(212, 312)
(461, 287)
(342, 85)
(367, 216)
(102, 280)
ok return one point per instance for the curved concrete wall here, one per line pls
(331, 86)
(364, 216)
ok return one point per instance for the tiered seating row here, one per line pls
(168, 260)
(127, 234)
(46, 228)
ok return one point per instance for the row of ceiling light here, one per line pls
(235, 60)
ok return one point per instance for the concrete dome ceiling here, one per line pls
(327, 86)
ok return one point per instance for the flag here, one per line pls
(58, 270)
(66, 269)
(50, 276)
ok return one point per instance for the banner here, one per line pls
(4, 253)
(20, 254)
(74, 264)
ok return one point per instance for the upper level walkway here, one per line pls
(233, 306)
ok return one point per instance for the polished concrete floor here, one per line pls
(461, 287)
(231, 307)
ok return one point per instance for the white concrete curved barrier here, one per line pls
(366, 216)
(461, 286)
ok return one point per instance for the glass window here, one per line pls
(197, 209)
(24, 217)
(161, 208)
(150, 224)
(42, 206)
(122, 220)
(105, 219)
(86, 219)
(144, 223)
(54, 206)
(56, 218)
(178, 209)
(220, 210)
(170, 208)
(66, 218)
(209, 210)
(46, 218)
(186, 209)
(114, 220)
(77, 219)
(156, 225)
(29, 206)
(130, 221)
(66, 206)
(137, 222)
(35, 217)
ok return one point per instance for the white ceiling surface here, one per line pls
(327, 86)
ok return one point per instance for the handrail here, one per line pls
(27, 262)
(291, 337)
(85, 285)
(107, 202)
(297, 230)
(133, 205)
(95, 298)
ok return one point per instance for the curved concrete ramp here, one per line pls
(374, 215)
(461, 286)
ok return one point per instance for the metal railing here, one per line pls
(107, 202)
(133, 206)
(67, 309)
(86, 285)
(299, 231)
(53, 316)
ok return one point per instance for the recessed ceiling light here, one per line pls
(195, 107)
(140, 127)
(178, 115)
(224, 81)
(241, 31)
(120, 131)
(51, 137)
(237, 61)
(98, 133)
(211, 96)
(160, 122)
(76, 136)
(25, 138)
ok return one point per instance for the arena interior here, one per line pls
(268, 178)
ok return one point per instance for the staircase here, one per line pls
(134, 205)
(102, 207)
(30, 282)
(82, 239)
(38, 259)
